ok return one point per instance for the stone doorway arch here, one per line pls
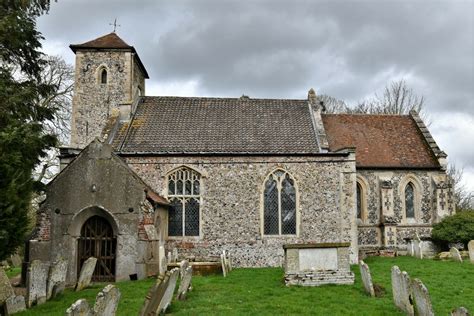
(97, 239)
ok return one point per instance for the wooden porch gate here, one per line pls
(98, 240)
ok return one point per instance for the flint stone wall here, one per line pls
(232, 189)
(94, 102)
(435, 201)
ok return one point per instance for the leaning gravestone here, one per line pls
(185, 283)
(85, 276)
(6, 290)
(366, 278)
(16, 260)
(36, 282)
(79, 308)
(460, 311)
(422, 298)
(168, 296)
(15, 304)
(455, 254)
(56, 279)
(107, 301)
(155, 296)
(183, 265)
(470, 247)
(401, 290)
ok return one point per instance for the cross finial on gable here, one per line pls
(115, 24)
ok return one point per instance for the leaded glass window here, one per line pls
(279, 204)
(359, 201)
(184, 194)
(410, 200)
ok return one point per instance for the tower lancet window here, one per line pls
(103, 76)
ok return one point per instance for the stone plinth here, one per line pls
(317, 264)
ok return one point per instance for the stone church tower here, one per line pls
(109, 79)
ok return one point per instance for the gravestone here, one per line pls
(417, 249)
(470, 247)
(366, 278)
(169, 293)
(460, 311)
(410, 248)
(6, 290)
(36, 283)
(56, 279)
(422, 298)
(455, 254)
(162, 260)
(175, 254)
(170, 259)
(183, 265)
(107, 301)
(224, 268)
(85, 276)
(155, 296)
(15, 260)
(79, 308)
(401, 290)
(15, 304)
(185, 283)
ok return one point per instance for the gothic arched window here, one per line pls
(184, 193)
(410, 200)
(279, 204)
(359, 201)
(103, 76)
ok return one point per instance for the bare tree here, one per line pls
(462, 197)
(333, 105)
(61, 75)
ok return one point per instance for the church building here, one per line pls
(147, 175)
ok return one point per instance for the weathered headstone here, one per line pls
(422, 298)
(183, 265)
(185, 283)
(401, 290)
(470, 247)
(366, 278)
(410, 248)
(79, 308)
(455, 254)
(85, 276)
(155, 296)
(224, 268)
(170, 259)
(56, 278)
(175, 254)
(417, 248)
(460, 311)
(107, 301)
(169, 293)
(36, 282)
(162, 260)
(15, 260)
(15, 304)
(6, 290)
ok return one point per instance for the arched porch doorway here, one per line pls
(97, 240)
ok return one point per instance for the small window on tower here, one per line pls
(103, 76)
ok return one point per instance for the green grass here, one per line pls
(12, 272)
(262, 292)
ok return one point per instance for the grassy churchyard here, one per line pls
(262, 292)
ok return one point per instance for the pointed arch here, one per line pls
(410, 192)
(102, 75)
(184, 191)
(362, 193)
(279, 204)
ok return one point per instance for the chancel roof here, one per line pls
(167, 125)
(385, 141)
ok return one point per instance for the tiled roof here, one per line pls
(110, 40)
(218, 125)
(393, 141)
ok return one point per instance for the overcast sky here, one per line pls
(280, 49)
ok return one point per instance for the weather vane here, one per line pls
(115, 24)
